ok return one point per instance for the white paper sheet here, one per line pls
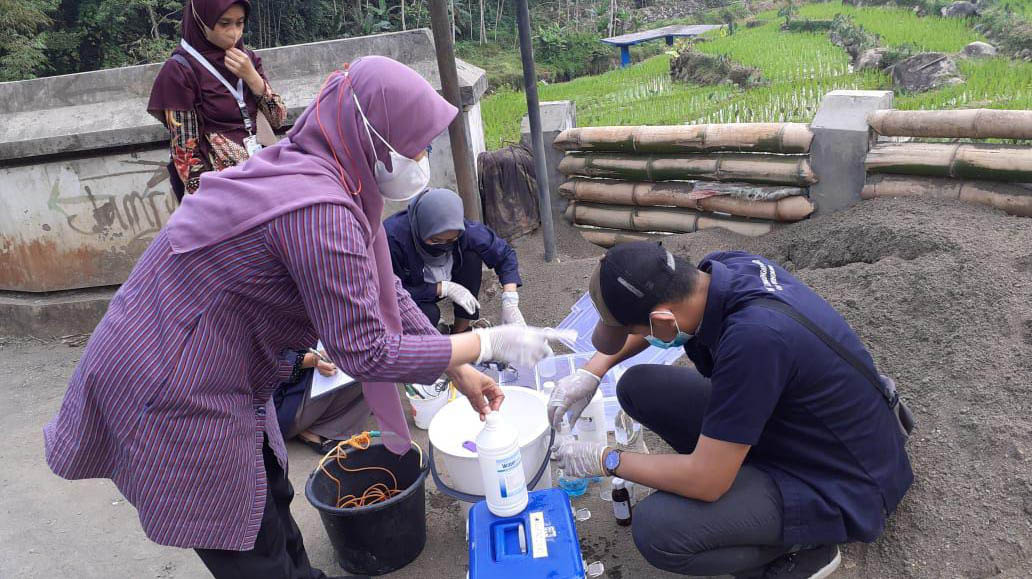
(325, 384)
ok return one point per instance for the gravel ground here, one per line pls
(939, 291)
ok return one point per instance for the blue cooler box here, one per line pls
(539, 542)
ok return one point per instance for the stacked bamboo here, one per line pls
(634, 183)
(991, 174)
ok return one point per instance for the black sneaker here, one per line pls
(816, 563)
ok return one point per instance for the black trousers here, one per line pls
(468, 276)
(739, 533)
(279, 552)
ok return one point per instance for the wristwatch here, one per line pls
(611, 461)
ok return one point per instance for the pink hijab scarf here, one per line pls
(327, 158)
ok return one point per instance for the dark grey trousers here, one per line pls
(739, 533)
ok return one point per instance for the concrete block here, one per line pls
(53, 315)
(556, 117)
(840, 144)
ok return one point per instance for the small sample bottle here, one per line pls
(621, 503)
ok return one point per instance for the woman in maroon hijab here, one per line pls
(171, 399)
(209, 93)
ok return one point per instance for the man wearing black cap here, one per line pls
(789, 442)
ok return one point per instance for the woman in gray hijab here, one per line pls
(437, 254)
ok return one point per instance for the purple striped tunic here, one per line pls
(172, 395)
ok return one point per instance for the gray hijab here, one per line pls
(432, 212)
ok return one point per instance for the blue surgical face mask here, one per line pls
(679, 340)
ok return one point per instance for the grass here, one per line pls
(900, 26)
(501, 61)
(644, 93)
(800, 67)
(1023, 7)
(996, 83)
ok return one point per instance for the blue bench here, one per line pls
(626, 41)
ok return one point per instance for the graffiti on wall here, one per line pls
(122, 206)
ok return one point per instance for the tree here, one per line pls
(482, 29)
(22, 38)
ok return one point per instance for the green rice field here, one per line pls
(900, 26)
(800, 69)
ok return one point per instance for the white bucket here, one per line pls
(424, 409)
(458, 423)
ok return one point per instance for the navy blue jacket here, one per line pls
(824, 433)
(408, 264)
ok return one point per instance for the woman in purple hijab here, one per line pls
(210, 92)
(171, 399)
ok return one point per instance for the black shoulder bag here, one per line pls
(885, 386)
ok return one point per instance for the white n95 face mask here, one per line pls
(408, 179)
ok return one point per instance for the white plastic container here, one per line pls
(591, 426)
(424, 409)
(501, 467)
(458, 424)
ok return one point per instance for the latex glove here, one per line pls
(571, 394)
(511, 309)
(460, 295)
(516, 345)
(581, 459)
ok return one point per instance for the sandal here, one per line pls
(322, 447)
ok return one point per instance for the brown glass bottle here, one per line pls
(621, 503)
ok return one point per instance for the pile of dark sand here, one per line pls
(941, 293)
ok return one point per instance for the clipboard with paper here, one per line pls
(322, 385)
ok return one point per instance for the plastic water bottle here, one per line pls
(501, 466)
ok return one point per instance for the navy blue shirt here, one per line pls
(816, 425)
(408, 265)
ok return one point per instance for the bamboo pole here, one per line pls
(681, 194)
(751, 168)
(1013, 198)
(965, 123)
(957, 160)
(741, 137)
(609, 237)
(662, 219)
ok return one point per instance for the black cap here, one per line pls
(627, 284)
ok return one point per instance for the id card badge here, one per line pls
(252, 145)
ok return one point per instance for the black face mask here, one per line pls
(438, 250)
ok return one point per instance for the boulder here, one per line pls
(871, 58)
(979, 49)
(925, 71)
(960, 10)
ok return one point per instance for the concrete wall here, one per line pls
(556, 117)
(83, 185)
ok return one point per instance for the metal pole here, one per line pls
(538, 141)
(462, 153)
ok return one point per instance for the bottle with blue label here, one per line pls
(501, 466)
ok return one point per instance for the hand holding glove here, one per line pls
(511, 313)
(571, 394)
(581, 459)
(512, 344)
(460, 295)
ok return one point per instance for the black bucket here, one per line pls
(379, 538)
